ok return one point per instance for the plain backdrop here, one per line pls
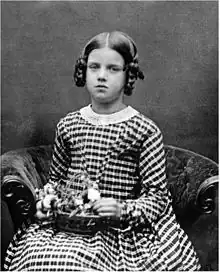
(178, 49)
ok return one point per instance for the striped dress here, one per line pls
(124, 153)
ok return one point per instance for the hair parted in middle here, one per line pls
(118, 41)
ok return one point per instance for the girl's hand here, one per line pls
(44, 207)
(107, 207)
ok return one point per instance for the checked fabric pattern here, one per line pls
(124, 153)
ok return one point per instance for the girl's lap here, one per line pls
(43, 247)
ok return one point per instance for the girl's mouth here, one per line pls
(101, 86)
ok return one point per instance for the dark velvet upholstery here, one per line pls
(192, 181)
(7, 229)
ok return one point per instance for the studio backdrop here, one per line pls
(178, 48)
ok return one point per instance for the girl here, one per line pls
(122, 152)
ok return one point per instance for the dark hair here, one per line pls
(119, 42)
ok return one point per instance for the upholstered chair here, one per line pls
(192, 181)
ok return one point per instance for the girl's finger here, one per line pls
(104, 202)
(106, 209)
(110, 214)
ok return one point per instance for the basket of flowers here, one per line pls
(73, 211)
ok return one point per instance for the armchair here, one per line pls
(192, 181)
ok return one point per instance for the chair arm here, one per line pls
(22, 171)
(20, 199)
(205, 198)
(187, 175)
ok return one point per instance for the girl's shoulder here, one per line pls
(67, 123)
(69, 118)
(145, 124)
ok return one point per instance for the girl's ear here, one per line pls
(80, 72)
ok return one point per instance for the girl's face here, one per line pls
(105, 76)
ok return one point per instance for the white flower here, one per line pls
(93, 194)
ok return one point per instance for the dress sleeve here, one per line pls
(153, 198)
(61, 154)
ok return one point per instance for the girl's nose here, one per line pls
(102, 74)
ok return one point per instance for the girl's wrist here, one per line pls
(119, 212)
(122, 211)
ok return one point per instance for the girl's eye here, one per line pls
(115, 69)
(93, 67)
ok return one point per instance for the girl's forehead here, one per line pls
(106, 55)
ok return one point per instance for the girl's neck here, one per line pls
(107, 108)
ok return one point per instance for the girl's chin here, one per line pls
(102, 101)
(102, 98)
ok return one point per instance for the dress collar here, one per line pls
(106, 119)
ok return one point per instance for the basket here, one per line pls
(73, 210)
(83, 224)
